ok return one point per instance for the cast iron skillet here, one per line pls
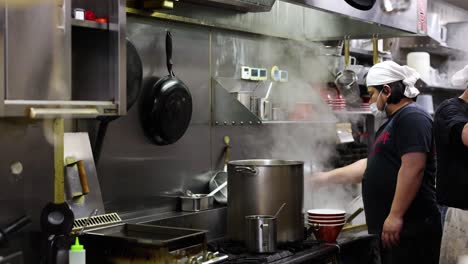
(56, 224)
(166, 108)
(57, 219)
(361, 4)
(134, 81)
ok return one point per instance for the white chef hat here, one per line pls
(460, 78)
(388, 71)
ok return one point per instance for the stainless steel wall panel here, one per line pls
(135, 173)
(2, 58)
(25, 193)
(38, 69)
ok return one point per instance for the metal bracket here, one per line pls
(227, 110)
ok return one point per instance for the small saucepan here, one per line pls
(261, 233)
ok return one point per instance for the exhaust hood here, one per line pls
(302, 20)
(239, 5)
(406, 15)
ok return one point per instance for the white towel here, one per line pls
(388, 71)
(460, 78)
(455, 237)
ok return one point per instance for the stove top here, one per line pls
(298, 252)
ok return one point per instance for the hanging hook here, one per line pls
(375, 49)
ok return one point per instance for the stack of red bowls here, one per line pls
(338, 103)
(326, 223)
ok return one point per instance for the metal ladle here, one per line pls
(93, 213)
(189, 193)
(346, 78)
(217, 189)
(279, 210)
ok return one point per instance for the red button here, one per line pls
(89, 15)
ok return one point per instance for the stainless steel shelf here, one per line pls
(429, 45)
(430, 88)
(434, 49)
(90, 24)
(353, 112)
(424, 87)
(368, 53)
(299, 122)
(54, 108)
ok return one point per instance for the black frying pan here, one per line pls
(166, 109)
(57, 219)
(56, 224)
(361, 4)
(134, 81)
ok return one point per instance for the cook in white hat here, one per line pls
(451, 138)
(391, 86)
(398, 175)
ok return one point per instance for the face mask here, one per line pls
(375, 110)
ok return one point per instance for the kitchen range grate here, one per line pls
(238, 253)
(97, 220)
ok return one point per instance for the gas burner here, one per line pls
(301, 246)
(260, 258)
(238, 253)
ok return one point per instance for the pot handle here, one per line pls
(245, 169)
(311, 229)
(265, 228)
(316, 226)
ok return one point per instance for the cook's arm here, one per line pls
(465, 135)
(352, 173)
(409, 181)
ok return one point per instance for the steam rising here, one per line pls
(313, 142)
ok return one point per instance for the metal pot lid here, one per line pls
(260, 217)
(265, 162)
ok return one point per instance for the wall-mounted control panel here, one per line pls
(254, 74)
(284, 76)
(261, 74)
(245, 73)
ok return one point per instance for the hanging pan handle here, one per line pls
(346, 52)
(375, 49)
(169, 52)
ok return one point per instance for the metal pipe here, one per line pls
(62, 112)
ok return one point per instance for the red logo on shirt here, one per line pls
(383, 138)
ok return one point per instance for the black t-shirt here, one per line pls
(408, 130)
(452, 155)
